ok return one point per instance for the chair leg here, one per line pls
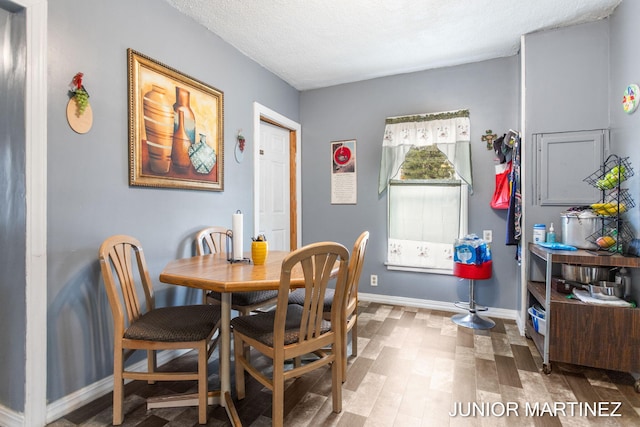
(354, 347)
(297, 362)
(238, 346)
(118, 389)
(203, 388)
(343, 356)
(336, 384)
(152, 364)
(354, 338)
(277, 403)
(247, 349)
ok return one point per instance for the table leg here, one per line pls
(225, 345)
(225, 359)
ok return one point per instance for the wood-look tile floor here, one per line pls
(414, 367)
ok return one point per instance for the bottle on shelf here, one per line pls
(551, 234)
(539, 232)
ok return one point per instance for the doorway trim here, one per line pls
(35, 403)
(262, 113)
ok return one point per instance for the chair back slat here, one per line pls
(317, 263)
(123, 265)
(211, 240)
(355, 269)
(117, 255)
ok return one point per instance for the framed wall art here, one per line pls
(175, 128)
(344, 180)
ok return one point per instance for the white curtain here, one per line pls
(423, 222)
(449, 131)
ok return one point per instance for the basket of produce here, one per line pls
(614, 171)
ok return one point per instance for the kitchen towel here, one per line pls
(584, 296)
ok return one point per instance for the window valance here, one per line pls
(449, 131)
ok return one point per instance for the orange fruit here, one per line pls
(605, 242)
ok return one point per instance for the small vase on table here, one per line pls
(259, 250)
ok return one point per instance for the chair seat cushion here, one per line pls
(260, 326)
(297, 297)
(244, 299)
(175, 324)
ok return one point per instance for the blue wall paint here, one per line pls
(567, 72)
(89, 197)
(625, 128)
(490, 90)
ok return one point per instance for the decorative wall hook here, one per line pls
(79, 113)
(489, 136)
(241, 140)
(240, 143)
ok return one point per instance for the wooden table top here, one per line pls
(215, 273)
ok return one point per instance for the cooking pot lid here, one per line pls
(586, 213)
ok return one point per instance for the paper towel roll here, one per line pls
(236, 228)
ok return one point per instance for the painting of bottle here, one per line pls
(183, 100)
(181, 143)
(158, 124)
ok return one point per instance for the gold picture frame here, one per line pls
(176, 127)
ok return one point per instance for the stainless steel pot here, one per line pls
(606, 290)
(585, 273)
(578, 227)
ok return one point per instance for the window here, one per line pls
(426, 170)
(427, 212)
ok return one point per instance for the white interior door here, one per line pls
(274, 182)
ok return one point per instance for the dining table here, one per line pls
(216, 273)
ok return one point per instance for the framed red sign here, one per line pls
(344, 184)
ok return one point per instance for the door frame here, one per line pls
(264, 114)
(35, 390)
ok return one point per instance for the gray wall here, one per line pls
(89, 197)
(625, 128)
(490, 90)
(12, 210)
(567, 72)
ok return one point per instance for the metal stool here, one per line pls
(473, 273)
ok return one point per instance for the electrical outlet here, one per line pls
(487, 235)
(374, 280)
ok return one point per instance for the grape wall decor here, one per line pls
(79, 113)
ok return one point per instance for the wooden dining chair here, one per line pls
(349, 317)
(213, 240)
(139, 325)
(295, 330)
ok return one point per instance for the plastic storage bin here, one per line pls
(538, 311)
(539, 323)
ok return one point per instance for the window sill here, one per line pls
(416, 269)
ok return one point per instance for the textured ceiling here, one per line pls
(313, 44)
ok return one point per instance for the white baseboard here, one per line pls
(10, 418)
(79, 398)
(500, 313)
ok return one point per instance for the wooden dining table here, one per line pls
(216, 273)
